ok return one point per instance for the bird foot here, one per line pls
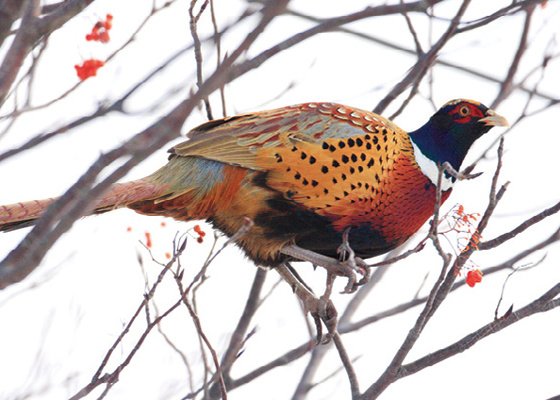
(460, 175)
(347, 269)
(356, 263)
(322, 309)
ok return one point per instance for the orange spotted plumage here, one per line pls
(304, 175)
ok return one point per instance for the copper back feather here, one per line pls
(331, 158)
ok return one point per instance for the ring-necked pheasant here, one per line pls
(304, 175)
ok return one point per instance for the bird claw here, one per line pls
(460, 175)
(347, 269)
(355, 263)
(322, 309)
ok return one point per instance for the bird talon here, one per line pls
(323, 310)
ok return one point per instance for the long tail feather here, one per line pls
(22, 215)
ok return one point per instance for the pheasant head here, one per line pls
(450, 133)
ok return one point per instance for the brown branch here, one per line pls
(334, 23)
(21, 46)
(545, 303)
(10, 11)
(111, 378)
(506, 86)
(238, 337)
(438, 61)
(347, 363)
(513, 8)
(425, 61)
(80, 197)
(489, 244)
(194, 316)
(439, 291)
(197, 49)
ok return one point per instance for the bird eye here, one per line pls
(464, 111)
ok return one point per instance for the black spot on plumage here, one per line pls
(367, 137)
(312, 160)
(351, 142)
(297, 176)
(305, 182)
(359, 142)
(352, 201)
(336, 198)
(352, 187)
(375, 140)
(361, 169)
(385, 138)
(314, 183)
(341, 144)
(366, 185)
(370, 163)
(294, 148)
(381, 161)
(378, 147)
(377, 178)
(384, 131)
(345, 159)
(352, 170)
(343, 176)
(363, 157)
(278, 157)
(303, 155)
(334, 181)
(359, 184)
(326, 191)
(354, 158)
(335, 164)
(332, 149)
(368, 146)
(345, 193)
(324, 169)
(288, 169)
(325, 145)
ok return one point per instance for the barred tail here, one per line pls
(22, 215)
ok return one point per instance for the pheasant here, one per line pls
(310, 177)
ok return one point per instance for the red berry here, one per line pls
(148, 240)
(474, 277)
(104, 37)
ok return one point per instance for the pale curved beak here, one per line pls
(494, 119)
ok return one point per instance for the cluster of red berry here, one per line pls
(200, 233)
(88, 68)
(474, 277)
(463, 225)
(99, 33)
